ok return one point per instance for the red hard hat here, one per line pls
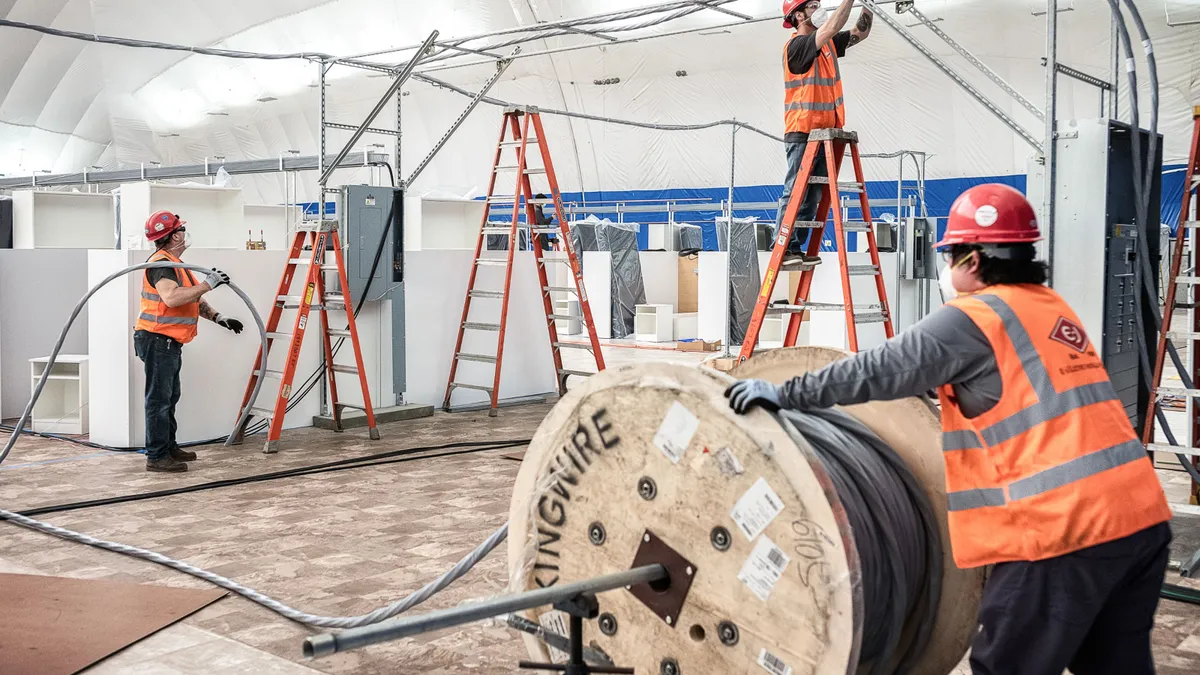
(162, 224)
(992, 213)
(790, 6)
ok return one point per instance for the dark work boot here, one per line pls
(167, 464)
(180, 455)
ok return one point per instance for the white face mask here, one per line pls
(949, 292)
(819, 16)
(187, 240)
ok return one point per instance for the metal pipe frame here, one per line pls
(1050, 149)
(328, 644)
(708, 4)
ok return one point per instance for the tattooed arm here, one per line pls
(207, 312)
(863, 27)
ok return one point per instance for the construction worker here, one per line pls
(812, 99)
(1045, 476)
(170, 312)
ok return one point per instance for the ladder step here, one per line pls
(349, 370)
(299, 261)
(861, 270)
(509, 201)
(487, 294)
(1192, 224)
(856, 226)
(279, 336)
(561, 289)
(342, 333)
(1175, 449)
(562, 317)
(842, 187)
(534, 171)
(580, 373)
(1180, 336)
(821, 307)
(572, 345)
(520, 228)
(262, 412)
(1187, 280)
(271, 373)
(329, 268)
(808, 225)
(510, 144)
(546, 259)
(288, 298)
(475, 325)
(1179, 391)
(482, 358)
(476, 387)
(493, 262)
(351, 406)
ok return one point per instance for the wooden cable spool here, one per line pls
(647, 463)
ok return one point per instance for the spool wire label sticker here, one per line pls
(676, 431)
(764, 568)
(554, 621)
(756, 509)
(773, 664)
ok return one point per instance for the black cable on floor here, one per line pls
(378, 459)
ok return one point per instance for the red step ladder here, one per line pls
(835, 142)
(1189, 219)
(315, 258)
(515, 133)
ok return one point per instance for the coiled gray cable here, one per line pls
(421, 595)
(895, 533)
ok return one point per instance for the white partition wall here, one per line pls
(660, 274)
(434, 292)
(31, 321)
(270, 223)
(215, 216)
(216, 365)
(440, 223)
(597, 282)
(44, 219)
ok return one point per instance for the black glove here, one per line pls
(229, 324)
(216, 278)
(746, 394)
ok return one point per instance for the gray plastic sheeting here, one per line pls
(744, 278)
(628, 287)
(691, 238)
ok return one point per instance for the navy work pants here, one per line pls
(812, 198)
(163, 358)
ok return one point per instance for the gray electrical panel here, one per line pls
(917, 259)
(372, 231)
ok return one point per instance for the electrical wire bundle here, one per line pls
(896, 533)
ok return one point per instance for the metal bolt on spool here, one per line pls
(647, 489)
(596, 534)
(727, 632)
(608, 624)
(668, 667)
(720, 538)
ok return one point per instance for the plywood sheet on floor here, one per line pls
(54, 625)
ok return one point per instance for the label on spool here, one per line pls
(773, 664)
(763, 568)
(676, 431)
(554, 622)
(756, 509)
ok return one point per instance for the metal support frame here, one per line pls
(708, 4)
(729, 241)
(1049, 149)
(955, 75)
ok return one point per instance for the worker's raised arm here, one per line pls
(173, 295)
(862, 27)
(836, 22)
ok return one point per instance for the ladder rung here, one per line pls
(482, 358)
(819, 307)
(349, 370)
(509, 201)
(262, 412)
(299, 261)
(339, 332)
(572, 345)
(487, 294)
(808, 225)
(352, 406)
(279, 336)
(561, 289)
(562, 317)
(329, 268)
(1179, 336)
(509, 144)
(534, 170)
(476, 387)
(842, 187)
(870, 317)
(861, 270)
(1176, 449)
(546, 259)
(288, 298)
(520, 228)
(856, 226)
(475, 325)
(271, 373)
(580, 373)
(494, 262)
(1179, 391)
(1187, 280)
(1192, 224)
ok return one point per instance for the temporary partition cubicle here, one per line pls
(44, 219)
(215, 216)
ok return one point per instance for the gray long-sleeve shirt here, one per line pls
(945, 347)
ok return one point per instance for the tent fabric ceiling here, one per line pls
(67, 104)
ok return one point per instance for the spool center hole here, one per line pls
(661, 586)
(696, 632)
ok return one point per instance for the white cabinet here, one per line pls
(654, 323)
(62, 407)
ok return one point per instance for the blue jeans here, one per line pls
(812, 198)
(163, 358)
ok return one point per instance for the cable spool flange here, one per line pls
(790, 592)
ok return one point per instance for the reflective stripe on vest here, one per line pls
(813, 99)
(174, 320)
(178, 323)
(805, 81)
(808, 105)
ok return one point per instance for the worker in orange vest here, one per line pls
(170, 312)
(812, 83)
(1045, 476)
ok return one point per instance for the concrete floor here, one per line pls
(337, 543)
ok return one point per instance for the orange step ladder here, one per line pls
(1189, 219)
(515, 133)
(835, 142)
(324, 234)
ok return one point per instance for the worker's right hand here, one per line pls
(746, 394)
(216, 278)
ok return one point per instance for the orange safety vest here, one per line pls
(178, 323)
(813, 100)
(1055, 465)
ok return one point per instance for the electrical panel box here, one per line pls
(1095, 246)
(371, 220)
(918, 260)
(6, 222)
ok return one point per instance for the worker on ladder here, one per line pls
(1046, 478)
(812, 84)
(170, 311)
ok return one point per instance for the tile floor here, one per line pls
(337, 543)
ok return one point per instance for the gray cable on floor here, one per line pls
(387, 612)
(896, 533)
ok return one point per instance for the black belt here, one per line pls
(160, 337)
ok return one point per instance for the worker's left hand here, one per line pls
(229, 323)
(746, 394)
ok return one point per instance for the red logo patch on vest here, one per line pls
(1069, 333)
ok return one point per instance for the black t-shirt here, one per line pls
(157, 274)
(802, 53)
